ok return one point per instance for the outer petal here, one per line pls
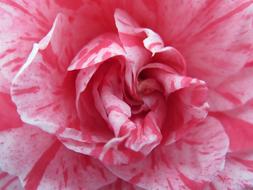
(215, 38)
(243, 112)
(20, 27)
(42, 162)
(184, 165)
(216, 44)
(238, 129)
(234, 91)
(9, 182)
(43, 90)
(237, 174)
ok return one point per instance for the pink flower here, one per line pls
(153, 94)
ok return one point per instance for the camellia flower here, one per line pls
(144, 94)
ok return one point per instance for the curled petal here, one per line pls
(97, 51)
(186, 98)
(131, 36)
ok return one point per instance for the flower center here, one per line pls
(133, 95)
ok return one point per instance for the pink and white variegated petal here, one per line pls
(42, 162)
(187, 164)
(23, 22)
(186, 108)
(218, 43)
(70, 170)
(237, 174)
(97, 51)
(172, 58)
(19, 29)
(9, 182)
(201, 153)
(204, 26)
(83, 78)
(132, 40)
(128, 28)
(122, 185)
(43, 90)
(21, 148)
(234, 91)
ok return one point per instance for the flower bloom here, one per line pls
(101, 95)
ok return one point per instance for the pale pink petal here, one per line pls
(9, 182)
(42, 162)
(237, 174)
(184, 165)
(43, 90)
